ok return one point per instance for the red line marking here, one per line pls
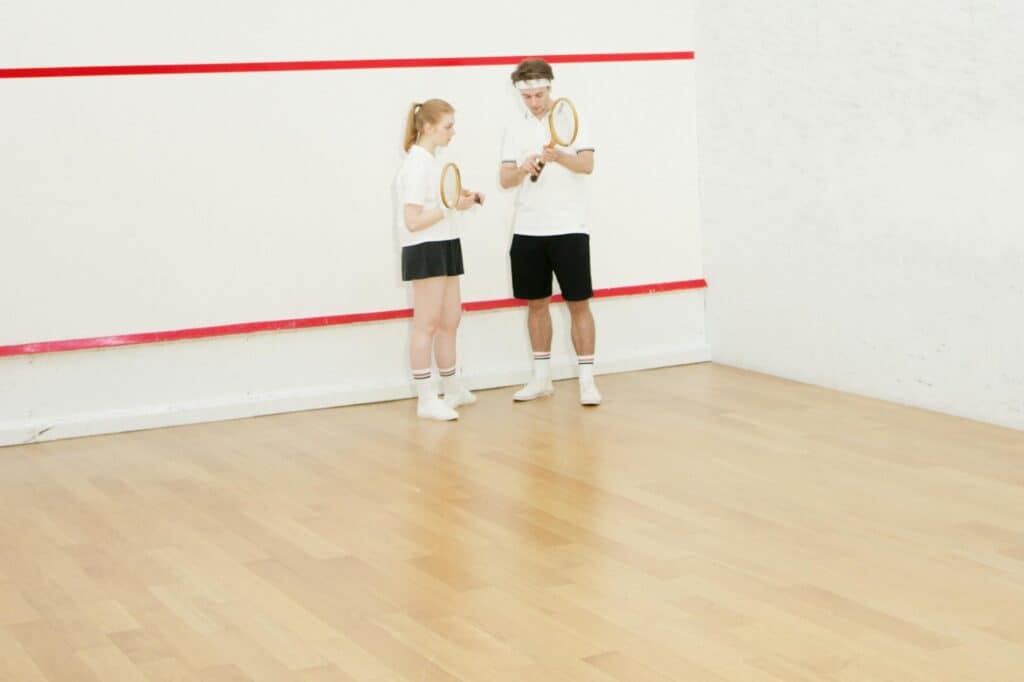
(328, 65)
(307, 322)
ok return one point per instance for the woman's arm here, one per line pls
(416, 218)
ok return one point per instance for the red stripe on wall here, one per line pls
(329, 65)
(305, 323)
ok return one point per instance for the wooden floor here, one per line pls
(703, 524)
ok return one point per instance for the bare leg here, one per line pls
(583, 333)
(451, 314)
(428, 301)
(583, 340)
(455, 395)
(428, 305)
(538, 322)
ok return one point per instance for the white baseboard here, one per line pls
(222, 408)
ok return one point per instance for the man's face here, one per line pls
(537, 100)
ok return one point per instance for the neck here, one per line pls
(428, 144)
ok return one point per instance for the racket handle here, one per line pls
(540, 167)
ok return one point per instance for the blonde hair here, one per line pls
(430, 111)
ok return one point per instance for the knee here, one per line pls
(578, 308)
(428, 325)
(538, 306)
(449, 325)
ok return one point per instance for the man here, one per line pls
(549, 232)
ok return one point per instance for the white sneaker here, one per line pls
(435, 409)
(535, 388)
(461, 397)
(589, 395)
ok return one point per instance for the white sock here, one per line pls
(422, 380)
(542, 365)
(450, 384)
(586, 363)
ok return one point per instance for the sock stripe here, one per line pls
(586, 359)
(420, 375)
(542, 356)
(447, 372)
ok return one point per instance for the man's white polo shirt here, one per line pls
(419, 182)
(556, 203)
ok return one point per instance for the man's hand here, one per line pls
(552, 155)
(531, 164)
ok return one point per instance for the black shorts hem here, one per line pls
(432, 259)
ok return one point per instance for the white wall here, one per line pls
(861, 203)
(63, 32)
(151, 203)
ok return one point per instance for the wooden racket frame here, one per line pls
(553, 138)
(458, 184)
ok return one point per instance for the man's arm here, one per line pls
(581, 162)
(513, 175)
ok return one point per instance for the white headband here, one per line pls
(537, 83)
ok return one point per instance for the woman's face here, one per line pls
(443, 131)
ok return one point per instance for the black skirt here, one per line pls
(432, 259)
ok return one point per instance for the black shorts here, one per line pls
(534, 259)
(432, 259)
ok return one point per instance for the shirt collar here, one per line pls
(421, 151)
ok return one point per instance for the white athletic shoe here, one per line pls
(589, 395)
(463, 397)
(535, 388)
(435, 409)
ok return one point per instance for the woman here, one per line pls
(431, 258)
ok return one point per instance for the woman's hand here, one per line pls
(478, 197)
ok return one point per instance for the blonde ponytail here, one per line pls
(420, 113)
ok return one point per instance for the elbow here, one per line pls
(509, 176)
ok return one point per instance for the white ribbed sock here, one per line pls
(450, 384)
(422, 379)
(586, 363)
(542, 365)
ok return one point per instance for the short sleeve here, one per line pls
(510, 152)
(412, 185)
(584, 142)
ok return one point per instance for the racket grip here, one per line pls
(540, 167)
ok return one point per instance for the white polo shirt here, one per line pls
(556, 203)
(419, 182)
